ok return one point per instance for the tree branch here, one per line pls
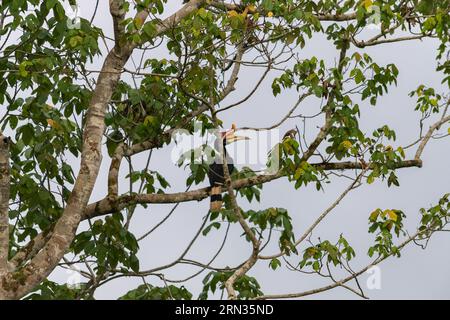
(322, 216)
(328, 109)
(362, 44)
(106, 206)
(31, 249)
(342, 281)
(229, 284)
(19, 283)
(222, 5)
(122, 149)
(118, 15)
(427, 137)
(4, 202)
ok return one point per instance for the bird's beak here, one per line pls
(238, 138)
(231, 137)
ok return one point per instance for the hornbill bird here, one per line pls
(215, 171)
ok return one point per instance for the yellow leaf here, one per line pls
(273, 212)
(252, 8)
(75, 41)
(23, 68)
(298, 173)
(53, 124)
(389, 148)
(420, 91)
(374, 215)
(150, 120)
(368, 4)
(232, 13)
(391, 214)
(202, 12)
(270, 14)
(347, 144)
(138, 22)
(401, 152)
(311, 251)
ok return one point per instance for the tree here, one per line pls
(57, 108)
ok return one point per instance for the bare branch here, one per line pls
(279, 123)
(427, 137)
(342, 281)
(322, 216)
(370, 43)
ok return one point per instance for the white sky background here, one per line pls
(417, 274)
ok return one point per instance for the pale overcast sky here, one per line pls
(418, 274)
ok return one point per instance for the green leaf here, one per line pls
(208, 228)
(275, 263)
(75, 41)
(23, 68)
(202, 12)
(50, 4)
